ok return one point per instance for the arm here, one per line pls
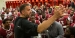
(60, 31)
(43, 26)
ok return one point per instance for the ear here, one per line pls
(22, 11)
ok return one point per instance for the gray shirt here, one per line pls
(55, 31)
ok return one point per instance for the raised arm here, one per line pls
(57, 13)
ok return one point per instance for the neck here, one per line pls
(23, 16)
(7, 27)
(2, 18)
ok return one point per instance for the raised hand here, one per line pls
(58, 11)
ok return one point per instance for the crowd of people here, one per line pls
(63, 27)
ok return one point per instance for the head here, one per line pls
(2, 16)
(15, 11)
(71, 14)
(10, 6)
(6, 22)
(39, 11)
(11, 17)
(33, 13)
(25, 10)
(7, 10)
(3, 8)
(32, 19)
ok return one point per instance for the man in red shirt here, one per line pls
(34, 21)
(6, 31)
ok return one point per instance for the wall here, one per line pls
(2, 4)
(13, 0)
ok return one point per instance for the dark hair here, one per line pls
(39, 11)
(22, 7)
(4, 21)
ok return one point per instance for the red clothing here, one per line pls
(64, 19)
(74, 19)
(48, 16)
(37, 22)
(73, 25)
(36, 17)
(69, 11)
(0, 22)
(7, 33)
(60, 20)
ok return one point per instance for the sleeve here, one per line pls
(29, 28)
(60, 31)
(12, 27)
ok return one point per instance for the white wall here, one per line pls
(2, 4)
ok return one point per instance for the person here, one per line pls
(34, 21)
(25, 29)
(55, 30)
(7, 30)
(1, 19)
(7, 13)
(71, 4)
(69, 30)
(3, 9)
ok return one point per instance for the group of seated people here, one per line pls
(63, 27)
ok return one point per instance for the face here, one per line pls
(71, 14)
(11, 18)
(27, 11)
(7, 23)
(33, 14)
(7, 11)
(33, 19)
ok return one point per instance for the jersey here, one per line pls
(7, 33)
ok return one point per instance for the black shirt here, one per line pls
(24, 29)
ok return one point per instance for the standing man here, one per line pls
(25, 29)
(56, 30)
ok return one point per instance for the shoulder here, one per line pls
(57, 24)
(1, 29)
(26, 22)
(12, 25)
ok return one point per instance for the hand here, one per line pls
(58, 11)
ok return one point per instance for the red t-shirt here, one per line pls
(0, 22)
(37, 22)
(7, 33)
(64, 19)
(73, 25)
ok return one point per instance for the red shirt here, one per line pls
(37, 22)
(36, 17)
(64, 19)
(73, 25)
(0, 22)
(7, 33)
(74, 18)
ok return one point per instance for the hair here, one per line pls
(22, 7)
(5, 20)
